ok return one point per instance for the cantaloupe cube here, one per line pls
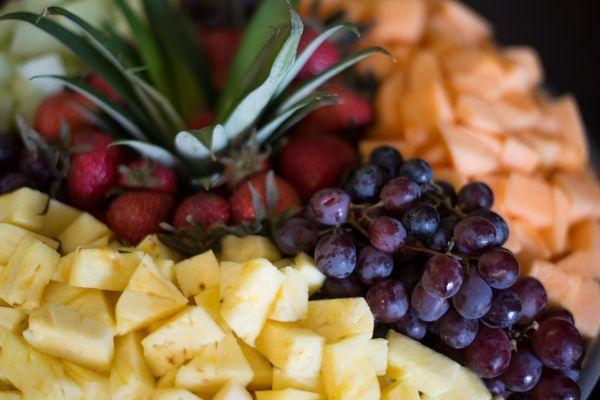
(426, 108)
(465, 22)
(386, 106)
(399, 20)
(518, 156)
(524, 68)
(451, 176)
(560, 285)
(530, 199)
(423, 70)
(305, 264)
(174, 394)
(83, 230)
(491, 141)
(517, 112)
(198, 273)
(130, 377)
(477, 114)
(308, 383)
(566, 112)
(496, 182)
(435, 153)
(153, 246)
(469, 155)
(581, 262)
(475, 71)
(583, 193)
(291, 303)
(242, 249)
(104, 269)
(232, 391)
(531, 244)
(556, 233)
(585, 306)
(261, 367)
(585, 236)
(286, 394)
(11, 236)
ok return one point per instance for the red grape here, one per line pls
(499, 268)
(426, 306)
(443, 276)
(559, 313)
(524, 371)
(474, 196)
(456, 331)
(474, 235)
(373, 265)
(556, 387)
(416, 169)
(387, 300)
(499, 223)
(489, 354)
(505, 310)
(411, 326)
(387, 158)
(399, 194)
(474, 298)
(335, 255)
(421, 220)
(533, 298)
(329, 206)
(387, 234)
(557, 343)
(296, 235)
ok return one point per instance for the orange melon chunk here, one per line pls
(451, 176)
(426, 108)
(498, 185)
(566, 112)
(388, 113)
(582, 262)
(423, 70)
(517, 111)
(548, 149)
(585, 306)
(561, 286)
(469, 25)
(524, 70)
(529, 198)
(518, 156)
(436, 154)
(474, 71)
(585, 236)
(532, 244)
(399, 20)
(469, 155)
(556, 233)
(477, 114)
(583, 193)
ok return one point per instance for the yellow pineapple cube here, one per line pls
(173, 394)
(232, 391)
(24, 207)
(93, 384)
(348, 371)
(63, 269)
(153, 246)
(60, 293)
(178, 339)
(335, 319)
(130, 377)
(283, 262)
(467, 386)
(291, 303)
(104, 269)
(432, 372)
(167, 268)
(297, 351)
(379, 355)
(261, 367)
(309, 383)
(10, 395)
(242, 249)
(287, 394)
(402, 389)
(230, 272)
(245, 305)
(215, 365)
(307, 267)
(57, 218)
(83, 230)
(210, 300)
(28, 273)
(11, 236)
(149, 297)
(167, 380)
(12, 320)
(80, 330)
(198, 273)
(35, 374)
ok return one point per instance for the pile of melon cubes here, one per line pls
(476, 112)
(84, 318)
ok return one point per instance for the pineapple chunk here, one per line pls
(232, 391)
(261, 367)
(178, 339)
(379, 355)
(174, 394)
(403, 389)
(28, 273)
(245, 305)
(84, 230)
(291, 303)
(12, 395)
(282, 380)
(24, 208)
(35, 374)
(198, 273)
(12, 320)
(157, 250)
(149, 297)
(215, 365)
(339, 318)
(168, 380)
(297, 351)
(63, 269)
(432, 373)
(167, 268)
(307, 267)
(283, 262)
(211, 301)
(287, 394)
(466, 387)
(93, 384)
(80, 330)
(60, 293)
(57, 218)
(99, 243)
(130, 377)
(230, 272)
(104, 269)
(242, 249)
(11, 236)
(348, 371)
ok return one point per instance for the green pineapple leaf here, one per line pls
(199, 145)
(153, 152)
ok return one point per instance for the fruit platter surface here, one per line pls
(288, 200)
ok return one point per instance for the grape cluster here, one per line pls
(430, 263)
(19, 167)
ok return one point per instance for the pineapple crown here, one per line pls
(162, 78)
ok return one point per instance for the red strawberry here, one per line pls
(206, 208)
(221, 46)
(201, 120)
(98, 83)
(94, 171)
(326, 55)
(241, 204)
(64, 106)
(147, 174)
(314, 162)
(134, 215)
(353, 110)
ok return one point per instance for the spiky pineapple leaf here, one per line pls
(199, 145)
(314, 83)
(272, 193)
(259, 208)
(151, 151)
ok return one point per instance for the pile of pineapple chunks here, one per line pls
(82, 317)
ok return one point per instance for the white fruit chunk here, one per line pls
(105, 269)
(291, 303)
(174, 394)
(467, 386)
(130, 377)
(242, 249)
(287, 394)
(307, 267)
(232, 391)
(198, 273)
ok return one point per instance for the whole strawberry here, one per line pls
(221, 46)
(206, 208)
(134, 215)
(326, 55)
(201, 119)
(67, 107)
(94, 169)
(314, 162)
(96, 81)
(147, 174)
(243, 207)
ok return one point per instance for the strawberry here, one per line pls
(242, 206)
(221, 46)
(326, 55)
(63, 106)
(94, 170)
(96, 81)
(201, 120)
(314, 162)
(206, 208)
(147, 174)
(134, 215)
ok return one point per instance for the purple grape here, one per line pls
(524, 371)
(474, 235)
(9, 149)
(474, 298)
(296, 235)
(557, 343)
(556, 387)
(13, 181)
(416, 169)
(427, 307)
(364, 216)
(495, 386)
(448, 191)
(387, 234)
(456, 331)
(505, 310)
(36, 167)
(365, 183)
(342, 288)
(387, 300)
(475, 196)
(533, 298)
(329, 206)
(387, 158)
(558, 313)
(499, 268)
(571, 373)
(442, 276)
(421, 220)
(518, 396)
(409, 274)
(373, 265)
(335, 255)
(499, 223)
(441, 240)
(399, 194)
(489, 354)
(411, 326)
